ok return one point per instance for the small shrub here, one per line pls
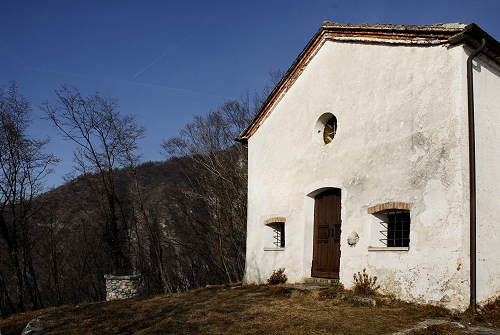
(365, 284)
(278, 277)
(336, 285)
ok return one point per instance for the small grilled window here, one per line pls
(279, 234)
(274, 238)
(397, 228)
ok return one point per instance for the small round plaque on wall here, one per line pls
(352, 239)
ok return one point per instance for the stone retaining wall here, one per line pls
(122, 287)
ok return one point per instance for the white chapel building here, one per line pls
(361, 158)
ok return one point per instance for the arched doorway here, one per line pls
(327, 228)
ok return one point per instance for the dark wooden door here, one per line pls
(326, 250)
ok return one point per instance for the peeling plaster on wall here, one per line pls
(431, 160)
(412, 286)
(401, 137)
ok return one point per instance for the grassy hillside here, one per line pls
(243, 310)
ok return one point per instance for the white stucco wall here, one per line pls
(401, 125)
(487, 118)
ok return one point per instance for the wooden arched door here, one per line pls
(327, 228)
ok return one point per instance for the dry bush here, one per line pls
(365, 284)
(277, 277)
(336, 286)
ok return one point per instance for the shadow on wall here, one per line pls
(314, 193)
(252, 270)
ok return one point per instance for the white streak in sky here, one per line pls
(150, 65)
(129, 82)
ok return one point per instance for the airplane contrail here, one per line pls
(132, 82)
(150, 65)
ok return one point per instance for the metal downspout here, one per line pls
(472, 175)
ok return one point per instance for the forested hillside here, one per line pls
(200, 240)
(70, 252)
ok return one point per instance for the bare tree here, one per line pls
(216, 171)
(219, 180)
(105, 141)
(23, 165)
(148, 233)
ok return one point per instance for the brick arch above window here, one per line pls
(275, 220)
(389, 205)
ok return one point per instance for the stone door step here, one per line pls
(319, 281)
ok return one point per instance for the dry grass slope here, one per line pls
(239, 310)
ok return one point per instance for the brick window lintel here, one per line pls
(275, 219)
(389, 205)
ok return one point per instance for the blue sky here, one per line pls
(166, 61)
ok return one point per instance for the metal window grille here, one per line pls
(396, 229)
(330, 130)
(279, 234)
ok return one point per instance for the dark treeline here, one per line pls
(181, 223)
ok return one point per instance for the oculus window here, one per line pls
(330, 129)
(325, 128)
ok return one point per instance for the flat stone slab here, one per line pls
(433, 322)
(359, 300)
(482, 330)
(305, 286)
(319, 281)
(32, 328)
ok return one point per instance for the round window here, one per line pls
(330, 129)
(325, 128)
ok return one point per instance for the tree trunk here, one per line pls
(6, 306)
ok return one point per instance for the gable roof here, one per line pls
(442, 33)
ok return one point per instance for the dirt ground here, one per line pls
(243, 310)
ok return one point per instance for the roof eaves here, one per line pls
(472, 35)
(452, 33)
(242, 137)
(439, 27)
